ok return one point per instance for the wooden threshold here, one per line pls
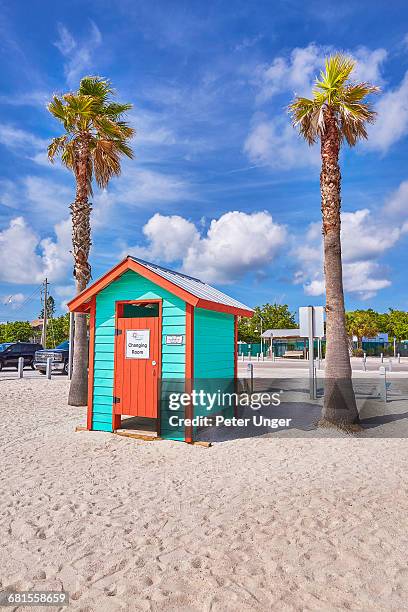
(138, 435)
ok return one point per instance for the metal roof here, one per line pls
(282, 333)
(193, 285)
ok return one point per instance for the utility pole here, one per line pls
(45, 304)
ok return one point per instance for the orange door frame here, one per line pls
(189, 369)
(116, 418)
(91, 361)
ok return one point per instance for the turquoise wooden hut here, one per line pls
(154, 331)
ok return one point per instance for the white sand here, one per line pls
(256, 524)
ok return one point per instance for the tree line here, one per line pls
(21, 331)
(360, 323)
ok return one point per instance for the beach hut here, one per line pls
(153, 331)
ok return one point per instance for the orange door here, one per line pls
(136, 367)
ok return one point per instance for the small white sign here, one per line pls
(175, 339)
(318, 321)
(137, 343)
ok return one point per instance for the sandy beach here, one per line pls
(266, 523)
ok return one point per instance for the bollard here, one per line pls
(383, 383)
(399, 358)
(257, 356)
(48, 369)
(364, 365)
(242, 356)
(251, 373)
(382, 357)
(249, 356)
(20, 367)
(314, 383)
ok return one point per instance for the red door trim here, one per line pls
(189, 368)
(91, 362)
(235, 346)
(116, 418)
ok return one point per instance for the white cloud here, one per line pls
(37, 196)
(20, 141)
(272, 140)
(275, 143)
(151, 128)
(79, 55)
(30, 98)
(26, 144)
(9, 193)
(373, 238)
(296, 73)
(397, 203)
(365, 238)
(169, 238)
(234, 244)
(392, 118)
(47, 197)
(293, 73)
(138, 187)
(369, 65)
(33, 258)
(365, 278)
(247, 42)
(65, 293)
(141, 186)
(12, 301)
(56, 253)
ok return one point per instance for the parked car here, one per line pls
(59, 356)
(11, 351)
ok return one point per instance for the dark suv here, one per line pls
(59, 356)
(11, 351)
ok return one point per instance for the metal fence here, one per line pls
(371, 349)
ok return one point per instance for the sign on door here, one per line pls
(137, 344)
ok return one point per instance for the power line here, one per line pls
(28, 299)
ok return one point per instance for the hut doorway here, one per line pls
(137, 360)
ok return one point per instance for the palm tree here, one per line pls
(337, 112)
(95, 138)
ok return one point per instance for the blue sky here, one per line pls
(221, 186)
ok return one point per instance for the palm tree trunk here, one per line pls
(339, 408)
(81, 243)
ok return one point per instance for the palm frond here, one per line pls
(124, 148)
(106, 161)
(346, 101)
(92, 119)
(96, 87)
(56, 147)
(68, 155)
(114, 110)
(337, 70)
(306, 117)
(80, 104)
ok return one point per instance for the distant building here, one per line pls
(378, 338)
